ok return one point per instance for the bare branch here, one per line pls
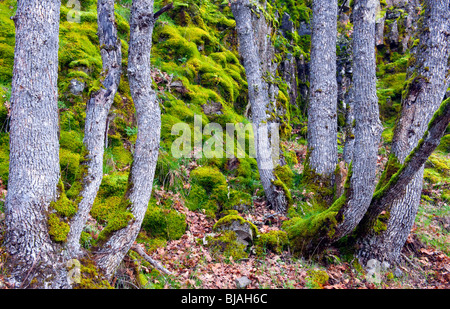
(162, 11)
(139, 250)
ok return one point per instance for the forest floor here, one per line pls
(193, 265)
(424, 264)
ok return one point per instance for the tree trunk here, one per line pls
(148, 114)
(258, 89)
(425, 90)
(34, 146)
(367, 123)
(322, 109)
(98, 108)
(349, 129)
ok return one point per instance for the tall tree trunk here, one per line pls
(349, 129)
(98, 108)
(34, 146)
(322, 109)
(367, 123)
(260, 104)
(425, 90)
(312, 235)
(147, 144)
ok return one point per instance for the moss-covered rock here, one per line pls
(209, 190)
(226, 244)
(245, 230)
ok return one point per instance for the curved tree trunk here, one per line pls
(367, 123)
(322, 109)
(260, 104)
(34, 161)
(426, 88)
(349, 129)
(147, 144)
(98, 108)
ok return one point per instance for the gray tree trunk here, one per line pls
(148, 138)
(426, 88)
(98, 108)
(34, 161)
(367, 123)
(349, 129)
(258, 91)
(322, 108)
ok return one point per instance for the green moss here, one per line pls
(164, 223)
(91, 277)
(239, 200)
(446, 195)
(114, 184)
(208, 177)
(308, 231)
(229, 219)
(117, 220)
(392, 167)
(121, 156)
(226, 244)
(71, 140)
(321, 186)
(316, 279)
(4, 157)
(444, 146)
(381, 223)
(70, 164)
(7, 41)
(64, 206)
(285, 174)
(275, 241)
(102, 209)
(57, 228)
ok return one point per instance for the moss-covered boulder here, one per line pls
(164, 223)
(226, 244)
(245, 230)
(209, 190)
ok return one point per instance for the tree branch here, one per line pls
(162, 11)
(139, 250)
(398, 182)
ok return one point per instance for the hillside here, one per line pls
(197, 71)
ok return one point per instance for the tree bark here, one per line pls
(367, 123)
(148, 114)
(260, 104)
(425, 90)
(349, 129)
(98, 108)
(322, 108)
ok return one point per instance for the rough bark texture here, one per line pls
(322, 109)
(426, 88)
(258, 90)
(148, 137)
(349, 129)
(413, 163)
(34, 146)
(367, 123)
(96, 119)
